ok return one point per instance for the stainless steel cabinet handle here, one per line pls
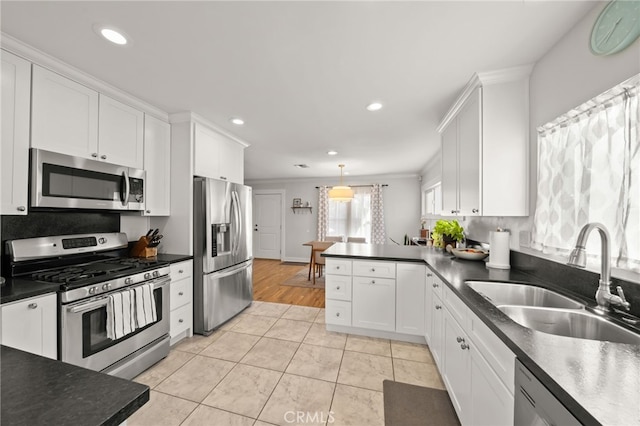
(148, 211)
(94, 154)
(337, 314)
(474, 210)
(464, 346)
(181, 271)
(223, 177)
(438, 307)
(32, 305)
(373, 269)
(337, 267)
(338, 288)
(459, 339)
(181, 294)
(104, 157)
(180, 320)
(373, 281)
(21, 208)
(429, 275)
(435, 285)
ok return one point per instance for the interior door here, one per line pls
(267, 214)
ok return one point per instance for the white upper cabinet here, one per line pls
(120, 135)
(485, 145)
(216, 156)
(72, 119)
(16, 90)
(157, 164)
(64, 115)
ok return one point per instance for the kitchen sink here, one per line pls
(570, 323)
(504, 293)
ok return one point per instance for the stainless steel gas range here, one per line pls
(113, 310)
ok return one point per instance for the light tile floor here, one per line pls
(275, 364)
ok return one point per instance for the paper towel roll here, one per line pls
(499, 250)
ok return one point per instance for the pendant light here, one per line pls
(341, 192)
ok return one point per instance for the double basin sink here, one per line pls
(545, 310)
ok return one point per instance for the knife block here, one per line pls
(141, 249)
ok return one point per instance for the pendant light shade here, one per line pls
(341, 192)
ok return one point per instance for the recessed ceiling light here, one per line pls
(237, 121)
(113, 36)
(332, 152)
(374, 106)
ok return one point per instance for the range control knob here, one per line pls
(147, 276)
(102, 240)
(156, 273)
(128, 281)
(106, 287)
(92, 290)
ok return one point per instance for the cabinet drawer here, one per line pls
(181, 270)
(180, 320)
(338, 287)
(374, 269)
(457, 307)
(337, 267)
(494, 351)
(338, 312)
(180, 293)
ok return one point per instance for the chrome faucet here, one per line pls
(578, 259)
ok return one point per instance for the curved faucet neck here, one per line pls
(605, 248)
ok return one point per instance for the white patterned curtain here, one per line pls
(589, 171)
(378, 233)
(323, 212)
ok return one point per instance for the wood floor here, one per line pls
(267, 276)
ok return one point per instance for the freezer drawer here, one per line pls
(224, 294)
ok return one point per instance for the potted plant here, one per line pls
(447, 232)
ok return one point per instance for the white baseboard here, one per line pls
(296, 259)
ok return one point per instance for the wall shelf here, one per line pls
(301, 209)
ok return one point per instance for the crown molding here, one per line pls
(480, 80)
(45, 60)
(189, 116)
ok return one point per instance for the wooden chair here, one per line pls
(317, 261)
(356, 240)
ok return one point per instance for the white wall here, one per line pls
(401, 208)
(564, 77)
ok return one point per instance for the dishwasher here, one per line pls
(535, 405)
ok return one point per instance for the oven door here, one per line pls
(63, 181)
(83, 334)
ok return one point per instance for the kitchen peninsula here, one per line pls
(597, 381)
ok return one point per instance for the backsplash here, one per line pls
(46, 223)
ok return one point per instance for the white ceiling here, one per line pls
(301, 73)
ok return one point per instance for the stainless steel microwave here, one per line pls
(64, 181)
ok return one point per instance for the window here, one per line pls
(589, 171)
(352, 219)
(431, 200)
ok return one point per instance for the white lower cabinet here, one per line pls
(181, 301)
(373, 304)
(31, 325)
(476, 367)
(410, 289)
(338, 312)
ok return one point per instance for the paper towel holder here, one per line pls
(499, 250)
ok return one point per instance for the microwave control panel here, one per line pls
(136, 190)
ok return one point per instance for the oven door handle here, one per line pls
(86, 307)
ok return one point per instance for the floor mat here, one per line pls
(406, 405)
(300, 279)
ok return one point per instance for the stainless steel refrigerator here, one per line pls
(223, 252)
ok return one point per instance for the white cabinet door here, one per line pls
(491, 403)
(374, 303)
(157, 164)
(450, 169)
(31, 325)
(64, 115)
(120, 136)
(456, 366)
(181, 301)
(437, 322)
(206, 152)
(410, 307)
(16, 94)
(428, 303)
(469, 148)
(232, 161)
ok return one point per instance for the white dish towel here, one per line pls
(129, 310)
(145, 305)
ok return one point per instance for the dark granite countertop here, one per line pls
(173, 258)
(599, 382)
(41, 391)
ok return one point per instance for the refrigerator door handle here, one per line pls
(238, 222)
(233, 270)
